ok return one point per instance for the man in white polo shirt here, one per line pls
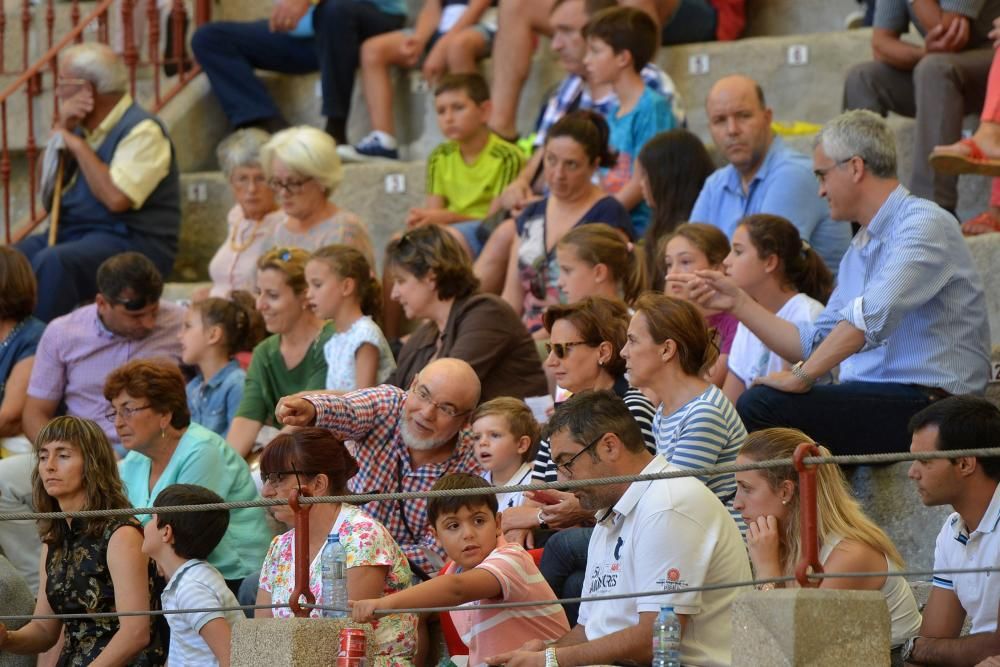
(661, 535)
(970, 538)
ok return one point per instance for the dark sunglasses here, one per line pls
(562, 350)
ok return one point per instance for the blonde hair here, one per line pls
(291, 262)
(599, 243)
(837, 511)
(307, 151)
(520, 420)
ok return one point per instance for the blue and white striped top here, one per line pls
(909, 283)
(705, 431)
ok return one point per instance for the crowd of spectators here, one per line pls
(607, 303)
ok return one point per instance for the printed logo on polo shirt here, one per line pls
(618, 549)
(671, 581)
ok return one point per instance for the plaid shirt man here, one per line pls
(373, 419)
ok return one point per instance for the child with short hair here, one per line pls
(450, 35)
(214, 331)
(469, 170)
(341, 287)
(620, 42)
(506, 438)
(484, 568)
(179, 543)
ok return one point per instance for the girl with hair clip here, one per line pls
(342, 288)
(575, 148)
(667, 353)
(214, 331)
(768, 501)
(695, 246)
(780, 271)
(88, 566)
(594, 260)
(314, 462)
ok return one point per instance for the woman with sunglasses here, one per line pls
(291, 359)
(314, 462)
(575, 148)
(433, 280)
(148, 407)
(303, 169)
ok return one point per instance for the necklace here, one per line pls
(10, 336)
(240, 247)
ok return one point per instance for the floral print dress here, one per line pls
(365, 542)
(79, 582)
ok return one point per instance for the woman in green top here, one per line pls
(289, 361)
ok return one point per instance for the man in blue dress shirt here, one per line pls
(907, 322)
(763, 175)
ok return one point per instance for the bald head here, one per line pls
(454, 374)
(439, 402)
(740, 123)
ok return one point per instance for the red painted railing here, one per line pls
(809, 564)
(301, 556)
(36, 79)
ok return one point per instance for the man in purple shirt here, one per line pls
(77, 351)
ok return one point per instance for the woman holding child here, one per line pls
(316, 463)
(88, 566)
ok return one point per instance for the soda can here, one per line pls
(352, 644)
(351, 662)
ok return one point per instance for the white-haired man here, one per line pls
(121, 185)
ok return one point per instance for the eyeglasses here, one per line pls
(423, 395)
(820, 174)
(67, 81)
(291, 186)
(124, 412)
(566, 466)
(274, 478)
(562, 350)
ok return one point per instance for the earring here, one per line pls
(163, 433)
(784, 502)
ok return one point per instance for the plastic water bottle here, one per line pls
(667, 639)
(333, 566)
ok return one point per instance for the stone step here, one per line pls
(792, 17)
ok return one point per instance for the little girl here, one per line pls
(696, 246)
(341, 287)
(214, 331)
(597, 260)
(772, 264)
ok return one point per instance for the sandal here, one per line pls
(976, 162)
(986, 222)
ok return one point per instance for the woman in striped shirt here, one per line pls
(668, 351)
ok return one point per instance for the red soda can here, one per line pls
(353, 649)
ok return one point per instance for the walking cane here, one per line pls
(56, 200)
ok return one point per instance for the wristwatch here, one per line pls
(550, 657)
(908, 646)
(802, 375)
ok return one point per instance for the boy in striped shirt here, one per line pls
(484, 569)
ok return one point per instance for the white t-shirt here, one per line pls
(195, 585)
(750, 359)
(957, 548)
(341, 347)
(666, 534)
(507, 500)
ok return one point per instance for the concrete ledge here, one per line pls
(292, 642)
(819, 628)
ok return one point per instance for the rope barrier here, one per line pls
(568, 485)
(906, 574)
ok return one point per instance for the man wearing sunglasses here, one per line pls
(77, 351)
(666, 534)
(405, 441)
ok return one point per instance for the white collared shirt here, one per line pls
(666, 534)
(196, 585)
(957, 548)
(505, 501)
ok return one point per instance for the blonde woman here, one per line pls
(768, 501)
(303, 169)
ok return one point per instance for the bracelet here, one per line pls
(802, 375)
(550, 657)
(541, 521)
(769, 586)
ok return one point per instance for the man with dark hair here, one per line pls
(667, 534)
(970, 537)
(127, 321)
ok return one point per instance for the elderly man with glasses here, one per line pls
(404, 441)
(661, 535)
(121, 184)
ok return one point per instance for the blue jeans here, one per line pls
(229, 52)
(848, 418)
(469, 229)
(564, 565)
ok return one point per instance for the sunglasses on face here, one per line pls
(562, 350)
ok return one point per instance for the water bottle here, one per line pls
(333, 568)
(667, 639)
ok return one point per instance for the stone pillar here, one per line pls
(809, 626)
(292, 642)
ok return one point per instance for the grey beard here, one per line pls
(419, 444)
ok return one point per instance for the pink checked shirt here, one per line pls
(77, 352)
(373, 418)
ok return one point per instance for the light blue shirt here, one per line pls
(204, 458)
(213, 404)
(909, 283)
(784, 185)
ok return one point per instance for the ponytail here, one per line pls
(348, 262)
(241, 324)
(598, 243)
(801, 265)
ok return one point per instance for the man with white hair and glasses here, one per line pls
(907, 322)
(121, 184)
